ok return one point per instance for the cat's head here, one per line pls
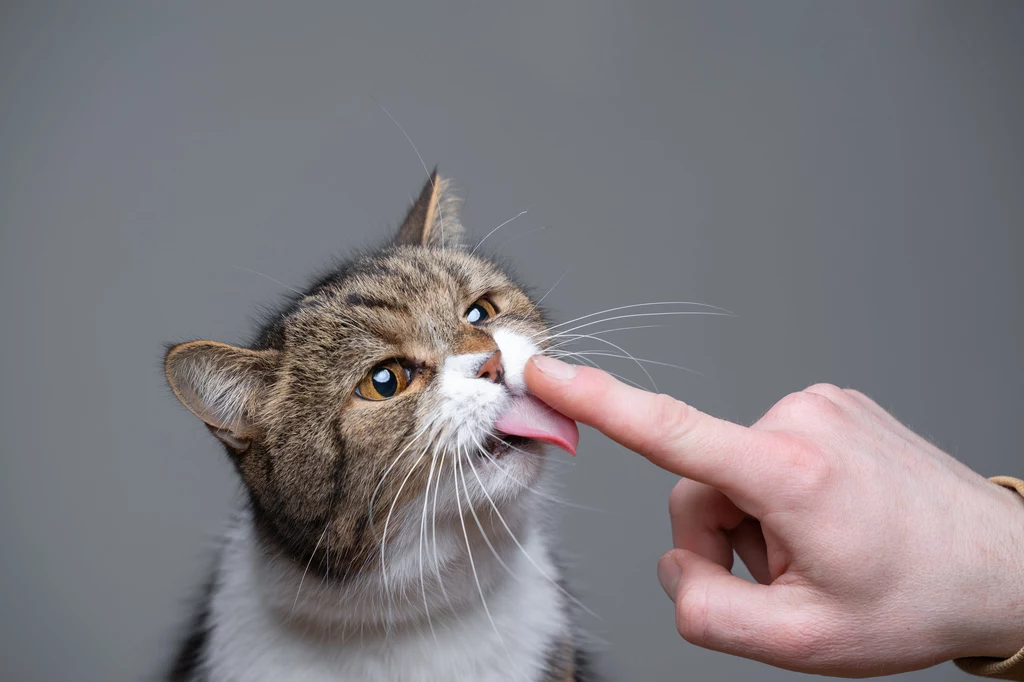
(391, 385)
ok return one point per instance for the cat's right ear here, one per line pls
(433, 219)
(222, 385)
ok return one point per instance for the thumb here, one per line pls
(722, 612)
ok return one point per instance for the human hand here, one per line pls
(875, 552)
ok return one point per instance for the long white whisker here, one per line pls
(423, 527)
(500, 247)
(483, 533)
(433, 534)
(534, 491)
(624, 317)
(275, 281)
(636, 359)
(308, 564)
(472, 564)
(418, 156)
(588, 361)
(620, 348)
(384, 536)
(521, 213)
(520, 546)
(384, 476)
(572, 338)
(641, 305)
(557, 282)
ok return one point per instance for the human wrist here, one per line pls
(995, 619)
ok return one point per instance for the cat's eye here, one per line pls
(384, 381)
(481, 311)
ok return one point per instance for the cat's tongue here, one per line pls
(529, 417)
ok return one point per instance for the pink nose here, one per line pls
(491, 369)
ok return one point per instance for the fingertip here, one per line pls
(669, 572)
(553, 368)
(563, 386)
(696, 565)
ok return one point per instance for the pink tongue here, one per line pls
(529, 417)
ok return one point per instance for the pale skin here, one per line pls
(874, 551)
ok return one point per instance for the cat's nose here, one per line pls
(491, 369)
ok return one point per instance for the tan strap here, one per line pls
(561, 662)
(1011, 668)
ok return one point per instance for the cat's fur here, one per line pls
(372, 539)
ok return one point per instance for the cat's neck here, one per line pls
(271, 620)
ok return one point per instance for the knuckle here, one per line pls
(673, 420)
(862, 401)
(806, 463)
(858, 395)
(809, 404)
(830, 391)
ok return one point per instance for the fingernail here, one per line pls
(669, 573)
(556, 369)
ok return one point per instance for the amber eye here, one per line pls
(384, 381)
(481, 311)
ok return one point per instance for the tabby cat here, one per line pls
(391, 456)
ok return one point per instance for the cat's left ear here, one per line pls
(433, 219)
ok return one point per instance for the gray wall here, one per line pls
(848, 178)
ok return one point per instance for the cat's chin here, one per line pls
(506, 467)
(500, 445)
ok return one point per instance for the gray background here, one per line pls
(848, 178)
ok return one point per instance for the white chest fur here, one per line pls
(252, 642)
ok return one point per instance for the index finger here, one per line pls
(668, 432)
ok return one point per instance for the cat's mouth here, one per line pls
(529, 418)
(499, 445)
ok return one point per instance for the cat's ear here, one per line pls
(222, 385)
(433, 219)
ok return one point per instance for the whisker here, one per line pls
(520, 546)
(500, 247)
(641, 305)
(635, 359)
(423, 527)
(521, 213)
(483, 533)
(433, 533)
(472, 564)
(275, 281)
(308, 564)
(326, 580)
(572, 338)
(593, 364)
(534, 491)
(655, 314)
(384, 476)
(430, 178)
(620, 348)
(557, 282)
(384, 536)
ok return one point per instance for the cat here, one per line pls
(391, 456)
